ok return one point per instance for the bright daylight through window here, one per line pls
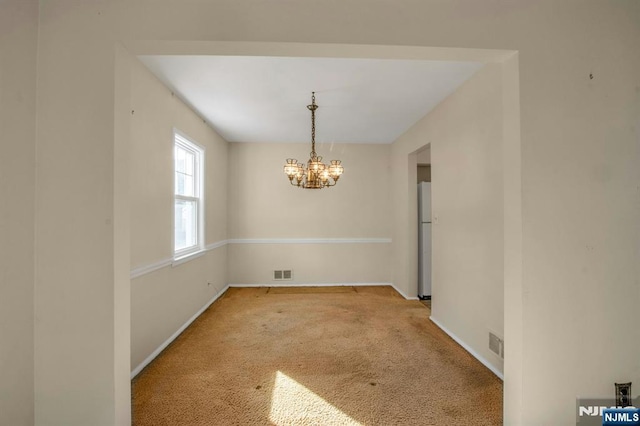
(188, 200)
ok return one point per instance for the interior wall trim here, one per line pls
(310, 241)
(145, 269)
(167, 342)
(216, 245)
(468, 348)
(151, 267)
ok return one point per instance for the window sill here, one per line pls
(187, 257)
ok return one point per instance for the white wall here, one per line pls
(163, 300)
(18, 43)
(75, 303)
(424, 156)
(579, 156)
(263, 205)
(465, 136)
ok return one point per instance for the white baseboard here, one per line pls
(468, 348)
(402, 293)
(286, 284)
(167, 342)
(289, 284)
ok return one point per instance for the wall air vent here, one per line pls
(282, 275)
(496, 344)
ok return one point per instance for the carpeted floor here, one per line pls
(323, 356)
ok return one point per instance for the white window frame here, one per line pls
(184, 142)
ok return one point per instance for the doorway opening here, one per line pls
(423, 174)
(404, 226)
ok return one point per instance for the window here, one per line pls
(188, 228)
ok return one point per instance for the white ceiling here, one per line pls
(263, 99)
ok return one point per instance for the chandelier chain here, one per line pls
(313, 123)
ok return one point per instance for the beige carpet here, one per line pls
(352, 356)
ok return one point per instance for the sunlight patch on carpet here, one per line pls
(292, 403)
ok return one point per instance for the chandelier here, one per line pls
(316, 175)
